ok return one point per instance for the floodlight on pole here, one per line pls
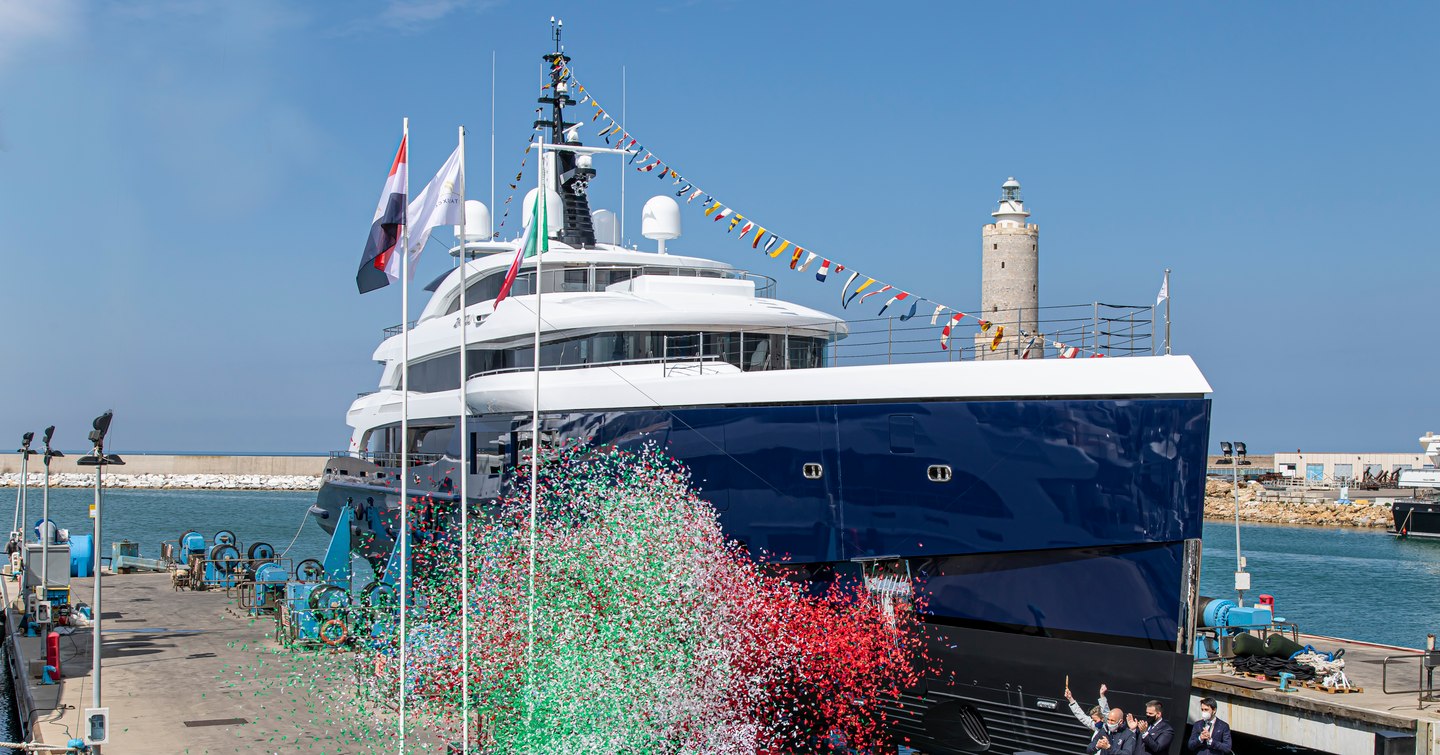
(17, 531)
(1242, 577)
(97, 723)
(45, 528)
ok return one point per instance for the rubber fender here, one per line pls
(1280, 646)
(1248, 644)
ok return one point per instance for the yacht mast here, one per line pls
(572, 172)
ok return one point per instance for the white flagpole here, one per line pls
(492, 144)
(542, 226)
(464, 485)
(404, 430)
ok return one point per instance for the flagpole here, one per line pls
(464, 484)
(1167, 310)
(542, 235)
(404, 428)
(623, 171)
(492, 141)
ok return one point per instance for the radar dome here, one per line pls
(607, 227)
(660, 219)
(477, 221)
(554, 211)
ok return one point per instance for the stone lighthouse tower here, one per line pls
(1010, 278)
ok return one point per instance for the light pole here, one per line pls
(97, 719)
(45, 526)
(17, 532)
(1235, 455)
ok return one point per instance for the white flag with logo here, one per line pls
(442, 202)
(1164, 290)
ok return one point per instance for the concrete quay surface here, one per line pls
(185, 672)
(1370, 721)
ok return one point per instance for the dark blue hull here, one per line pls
(1048, 537)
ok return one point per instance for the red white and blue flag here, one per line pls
(379, 265)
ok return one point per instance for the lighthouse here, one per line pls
(1010, 280)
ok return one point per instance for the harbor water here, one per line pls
(1345, 582)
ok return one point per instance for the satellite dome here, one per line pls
(477, 221)
(607, 227)
(660, 219)
(554, 211)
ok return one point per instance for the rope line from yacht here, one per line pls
(297, 534)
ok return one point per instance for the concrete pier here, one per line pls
(184, 672)
(1366, 722)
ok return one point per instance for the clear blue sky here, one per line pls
(186, 186)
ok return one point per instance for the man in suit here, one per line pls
(1117, 739)
(1154, 731)
(1210, 736)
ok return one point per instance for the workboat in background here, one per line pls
(1046, 507)
(1419, 516)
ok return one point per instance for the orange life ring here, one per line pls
(343, 635)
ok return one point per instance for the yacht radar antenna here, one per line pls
(573, 172)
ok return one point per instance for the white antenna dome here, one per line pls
(660, 220)
(554, 211)
(607, 227)
(477, 221)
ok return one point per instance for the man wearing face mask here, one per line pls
(1117, 739)
(1211, 736)
(1153, 730)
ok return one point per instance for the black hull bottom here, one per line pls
(1015, 685)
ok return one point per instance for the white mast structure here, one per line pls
(404, 428)
(464, 480)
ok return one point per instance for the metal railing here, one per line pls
(387, 458)
(1094, 329)
(1425, 664)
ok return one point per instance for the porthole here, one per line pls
(939, 473)
(812, 471)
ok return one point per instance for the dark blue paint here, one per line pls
(1053, 504)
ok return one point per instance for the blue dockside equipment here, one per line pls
(318, 601)
(82, 555)
(1227, 618)
(270, 581)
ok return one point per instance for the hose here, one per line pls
(40, 747)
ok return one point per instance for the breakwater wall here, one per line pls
(1258, 504)
(176, 471)
(180, 464)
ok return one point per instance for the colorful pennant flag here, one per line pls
(795, 258)
(872, 293)
(914, 305)
(779, 249)
(945, 332)
(999, 334)
(809, 257)
(823, 271)
(936, 316)
(845, 302)
(897, 297)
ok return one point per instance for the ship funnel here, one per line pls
(660, 220)
(607, 227)
(477, 221)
